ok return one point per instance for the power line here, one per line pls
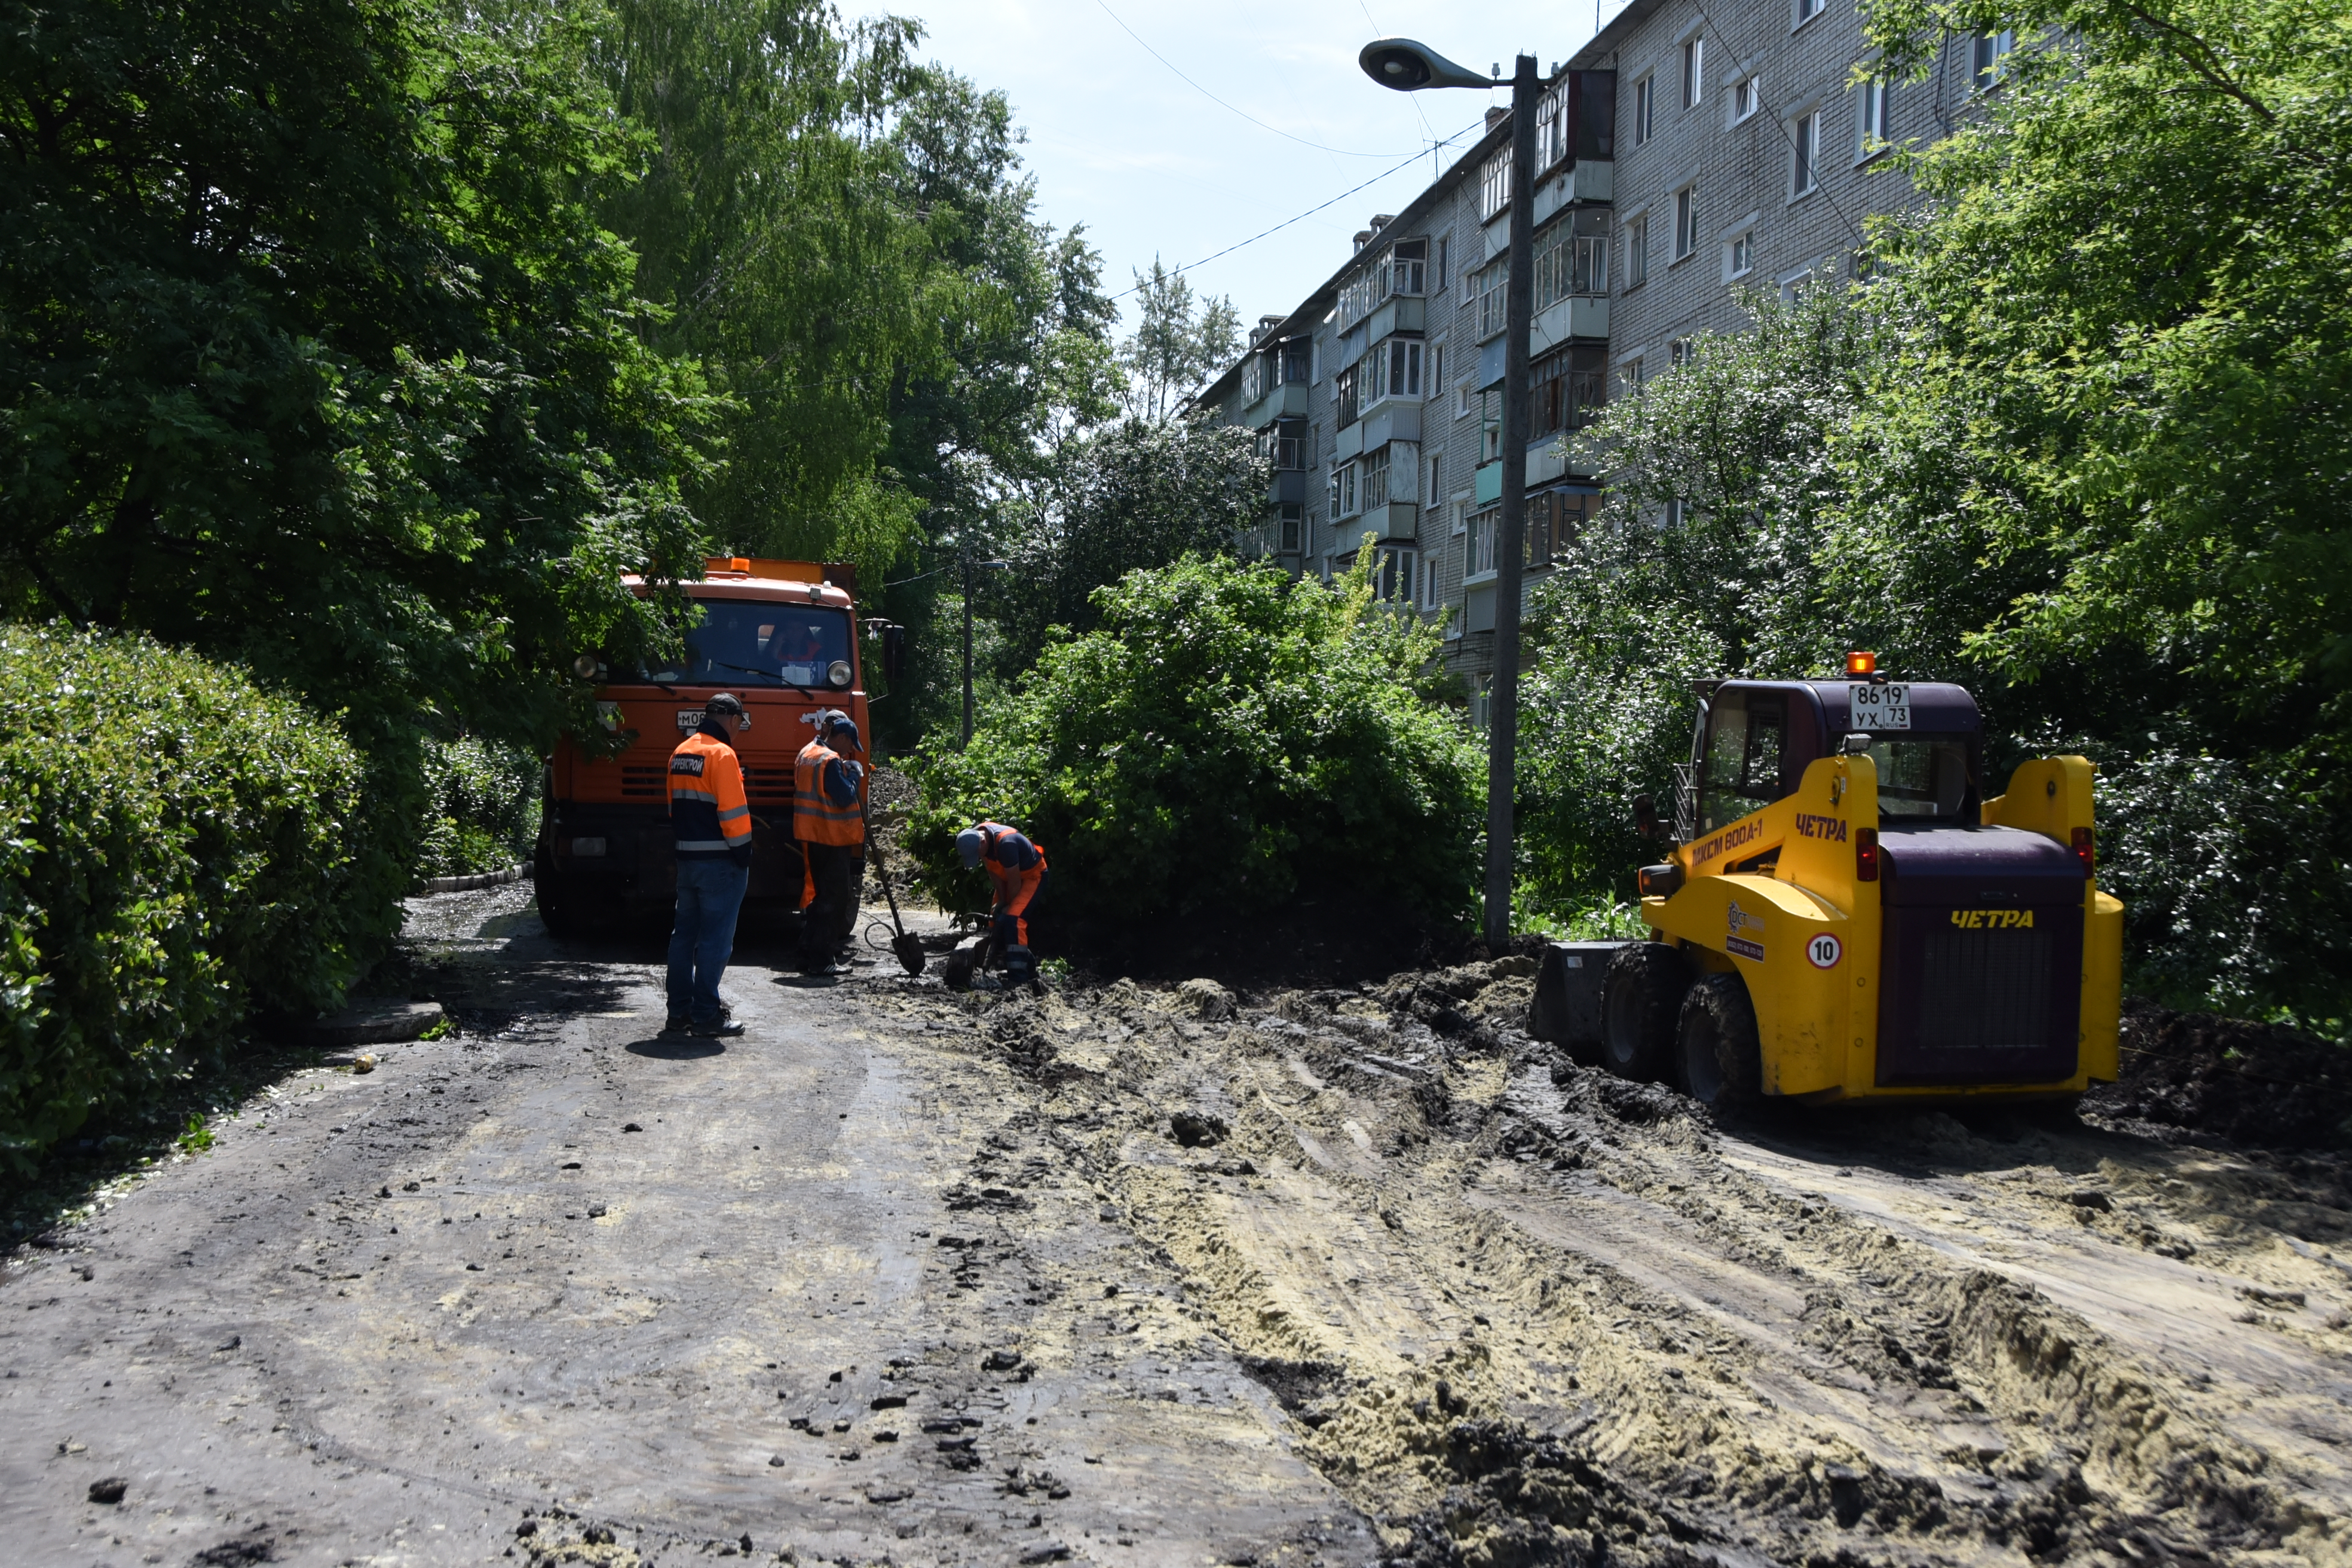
(1221, 103)
(1310, 211)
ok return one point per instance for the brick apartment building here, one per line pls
(1683, 151)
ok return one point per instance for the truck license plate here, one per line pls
(689, 720)
(1878, 707)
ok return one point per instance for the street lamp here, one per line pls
(1409, 67)
(969, 566)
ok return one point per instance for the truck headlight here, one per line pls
(838, 673)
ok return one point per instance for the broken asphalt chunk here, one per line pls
(109, 1490)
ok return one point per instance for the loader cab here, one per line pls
(1754, 740)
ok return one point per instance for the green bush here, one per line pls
(175, 845)
(1226, 738)
(483, 810)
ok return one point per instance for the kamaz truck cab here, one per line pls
(1846, 913)
(783, 636)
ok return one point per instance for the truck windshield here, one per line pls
(1922, 778)
(750, 642)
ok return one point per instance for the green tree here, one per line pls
(317, 358)
(1179, 342)
(1227, 737)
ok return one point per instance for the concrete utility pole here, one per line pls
(970, 565)
(1409, 67)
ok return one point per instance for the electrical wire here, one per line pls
(1310, 211)
(1221, 103)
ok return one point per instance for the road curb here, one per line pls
(481, 880)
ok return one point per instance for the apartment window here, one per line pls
(1491, 281)
(1428, 598)
(1445, 254)
(1564, 388)
(1694, 71)
(1990, 49)
(1746, 94)
(1372, 483)
(1343, 394)
(1344, 490)
(1462, 401)
(1436, 367)
(1678, 352)
(1871, 119)
(1393, 369)
(1637, 251)
(1634, 374)
(1430, 495)
(1394, 576)
(1490, 428)
(1806, 10)
(1739, 256)
(1461, 518)
(1482, 530)
(1573, 256)
(1805, 171)
(1678, 513)
(1495, 184)
(1294, 524)
(1685, 221)
(1555, 518)
(1644, 96)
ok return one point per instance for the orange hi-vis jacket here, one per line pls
(1016, 865)
(707, 809)
(818, 816)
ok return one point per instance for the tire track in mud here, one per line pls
(1518, 1313)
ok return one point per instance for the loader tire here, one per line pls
(558, 910)
(1722, 1060)
(1640, 1003)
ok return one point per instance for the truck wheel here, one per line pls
(1722, 1062)
(1639, 1003)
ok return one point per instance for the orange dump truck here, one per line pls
(783, 636)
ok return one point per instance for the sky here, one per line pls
(1120, 142)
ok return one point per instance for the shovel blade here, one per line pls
(909, 951)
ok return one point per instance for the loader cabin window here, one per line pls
(1924, 779)
(747, 642)
(1741, 771)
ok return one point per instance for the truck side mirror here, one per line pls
(894, 653)
(1645, 817)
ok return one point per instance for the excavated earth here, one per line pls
(1118, 1274)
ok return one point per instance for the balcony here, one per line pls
(1287, 401)
(1393, 523)
(1391, 419)
(1286, 485)
(1405, 314)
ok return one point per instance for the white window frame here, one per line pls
(1637, 249)
(1632, 372)
(1740, 252)
(1747, 96)
(1694, 71)
(1873, 115)
(1805, 154)
(1646, 104)
(1461, 518)
(1804, 11)
(1435, 493)
(1685, 245)
(1986, 53)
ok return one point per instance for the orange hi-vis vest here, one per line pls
(816, 818)
(1015, 884)
(707, 809)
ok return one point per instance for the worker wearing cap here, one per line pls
(712, 823)
(829, 822)
(1017, 869)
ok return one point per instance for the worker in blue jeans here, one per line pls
(712, 821)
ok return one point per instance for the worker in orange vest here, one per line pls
(1017, 869)
(827, 819)
(711, 824)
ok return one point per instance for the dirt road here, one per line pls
(1137, 1276)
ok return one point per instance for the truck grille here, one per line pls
(770, 784)
(1993, 1002)
(641, 782)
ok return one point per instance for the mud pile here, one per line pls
(2256, 1084)
(1521, 1312)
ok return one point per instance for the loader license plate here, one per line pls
(1878, 707)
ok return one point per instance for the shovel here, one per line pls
(904, 945)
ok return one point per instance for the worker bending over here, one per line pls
(1017, 868)
(712, 823)
(828, 821)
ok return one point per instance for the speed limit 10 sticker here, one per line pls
(1824, 951)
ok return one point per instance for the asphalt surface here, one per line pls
(627, 1294)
